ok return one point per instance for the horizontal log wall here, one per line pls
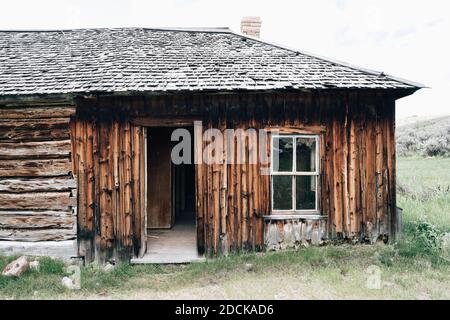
(37, 188)
(65, 249)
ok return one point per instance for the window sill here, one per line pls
(295, 217)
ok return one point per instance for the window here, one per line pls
(295, 172)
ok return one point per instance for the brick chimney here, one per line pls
(251, 26)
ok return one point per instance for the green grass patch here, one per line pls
(423, 189)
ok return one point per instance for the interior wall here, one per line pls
(160, 213)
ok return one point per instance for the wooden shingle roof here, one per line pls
(162, 60)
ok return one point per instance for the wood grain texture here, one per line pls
(37, 200)
(21, 185)
(37, 112)
(357, 160)
(58, 249)
(160, 182)
(35, 150)
(37, 189)
(38, 235)
(109, 162)
(36, 220)
(35, 168)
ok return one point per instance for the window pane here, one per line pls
(305, 192)
(282, 192)
(282, 154)
(306, 154)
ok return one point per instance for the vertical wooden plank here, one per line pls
(107, 235)
(244, 194)
(232, 196)
(115, 181)
(73, 142)
(200, 189)
(370, 190)
(258, 210)
(254, 190)
(361, 138)
(127, 229)
(210, 211)
(120, 223)
(352, 180)
(84, 233)
(337, 158)
(224, 195)
(90, 180)
(379, 170)
(329, 172)
(238, 195)
(345, 185)
(216, 174)
(136, 234)
(391, 171)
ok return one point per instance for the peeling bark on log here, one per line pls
(35, 168)
(30, 112)
(59, 249)
(13, 135)
(45, 149)
(20, 185)
(36, 185)
(46, 200)
(36, 221)
(37, 235)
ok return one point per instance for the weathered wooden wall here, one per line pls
(357, 167)
(37, 188)
(293, 233)
(37, 197)
(357, 161)
(108, 152)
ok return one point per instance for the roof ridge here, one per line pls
(174, 29)
(334, 61)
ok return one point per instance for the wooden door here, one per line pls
(159, 179)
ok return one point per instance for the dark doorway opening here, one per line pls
(183, 192)
(171, 213)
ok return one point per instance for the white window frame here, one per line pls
(293, 174)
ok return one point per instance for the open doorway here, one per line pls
(171, 214)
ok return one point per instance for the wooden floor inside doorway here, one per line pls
(175, 245)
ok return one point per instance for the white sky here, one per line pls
(405, 38)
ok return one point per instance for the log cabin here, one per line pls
(87, 124)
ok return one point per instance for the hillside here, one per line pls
(428, 137)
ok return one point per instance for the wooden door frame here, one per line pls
(151, 123)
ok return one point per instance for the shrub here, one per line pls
(436, 147)
(427, 237)
(428, 138)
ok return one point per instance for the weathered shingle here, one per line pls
(135, 59)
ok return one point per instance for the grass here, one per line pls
(424, 190)
(332, 272)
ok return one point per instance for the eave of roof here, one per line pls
(335, 61)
